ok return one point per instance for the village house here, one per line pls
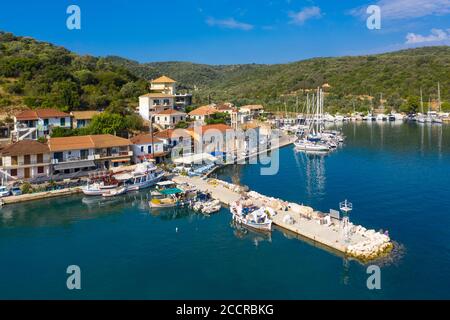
(213, 138)
(152, 103)
(146, 147)
(252, 110)
(77, 155)
(226, 107)
(34, 124)
(81, 119)
(174, 137)
(162, 96)
(202, 113)
(25, 160)
(168, 119)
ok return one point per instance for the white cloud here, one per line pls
(436, 36)
(305, 14)
(230, 23)
(407, 9)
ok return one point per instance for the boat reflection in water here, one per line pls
(172, 213)
(242, 232)
(312, 167)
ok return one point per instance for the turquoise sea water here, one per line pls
(397, 177)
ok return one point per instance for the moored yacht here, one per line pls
(144, 176)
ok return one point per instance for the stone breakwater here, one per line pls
(352, 240)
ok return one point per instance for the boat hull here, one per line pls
(265, 226)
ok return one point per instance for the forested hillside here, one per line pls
(38, 74)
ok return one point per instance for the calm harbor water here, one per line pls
(397, 177)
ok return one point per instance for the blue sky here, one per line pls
(230, 31)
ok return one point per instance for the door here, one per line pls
(26, 173)
(27, 159)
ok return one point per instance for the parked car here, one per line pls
(15, 191)
(4, 192)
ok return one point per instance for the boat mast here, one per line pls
(439, 97)
(421, 101)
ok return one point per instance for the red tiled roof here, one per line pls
(169, 111)
(172, 133)
(203, 111)
(24, 147)
(220, 126)
(41, 114)
(145, 138)
(163, 79)
(87, 142)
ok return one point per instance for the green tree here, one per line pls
(411, 105)
(445, 106)
(65, 95)
(182, 125)
(107, 123)
(219, 117)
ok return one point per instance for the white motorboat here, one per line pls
(144, 176)
(305, 145)
(252, 216)
(115, 192)
(98, 188)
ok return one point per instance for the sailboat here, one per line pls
(313, 142)
(435, 118)
(421, 118)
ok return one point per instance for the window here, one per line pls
(45, 122)
(63, 122)
(165, 118)
(156, 102)
(166, 101)
(40, 170)
(173, 119)
(40, 158)
(84, 154)
(142, 148)
(149, 149)
(14, 160)
(14, 172)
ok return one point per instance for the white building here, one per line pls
(146, 147)
(163, 96)
(152, 103)
(25, 160)
(253, 110)
(202, 113)
(34, 124)
(169, 118)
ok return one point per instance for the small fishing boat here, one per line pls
(166, 198)
(97, 188)
(205, 204)
(251, 216)
(115, 192)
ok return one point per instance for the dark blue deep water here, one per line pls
(397, 176)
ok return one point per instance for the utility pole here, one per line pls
(151, 135)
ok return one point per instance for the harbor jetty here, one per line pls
(40, 195)
(338, 234)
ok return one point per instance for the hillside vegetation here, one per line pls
(38, 74)
(397, 76)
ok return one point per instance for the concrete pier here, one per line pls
(302, 220)
(41, 195)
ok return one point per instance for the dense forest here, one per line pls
(37, 74)
(397, 77)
